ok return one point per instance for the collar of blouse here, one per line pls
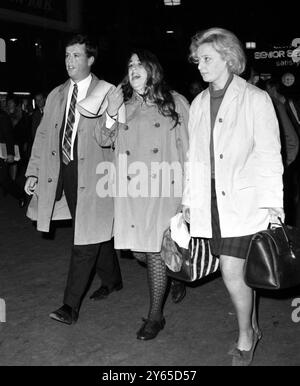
(141, 99)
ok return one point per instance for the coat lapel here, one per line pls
(93, 84)
(235, 89)
(63, 95)
(63, 92)
(206, 108)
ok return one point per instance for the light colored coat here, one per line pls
(148, 139)
(248, 165)
(94, 215)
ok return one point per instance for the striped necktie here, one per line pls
(67, 140)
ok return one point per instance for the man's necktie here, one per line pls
(67, 140)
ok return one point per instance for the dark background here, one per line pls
(120, 25)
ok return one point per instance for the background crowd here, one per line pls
(21, 115)
(20, 118)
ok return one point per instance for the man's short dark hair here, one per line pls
(90, 44)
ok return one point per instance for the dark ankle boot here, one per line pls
(150, 329)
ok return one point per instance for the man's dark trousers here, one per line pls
(84, 257)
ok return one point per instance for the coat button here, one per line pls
(132, 226)
(50, 180)
(221, 156)
(128, 178)
(126, 127)
(220, 120)
(54, 152)
(127, 152)
(155, 151)
(178, 142)
(223, 193)
(157, 124)
(56, 125)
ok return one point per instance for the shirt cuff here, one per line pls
(110, 121)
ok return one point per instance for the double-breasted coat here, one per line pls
(146, 197)
(94, 214)
(248, 164)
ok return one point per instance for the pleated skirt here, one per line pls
(229, 246)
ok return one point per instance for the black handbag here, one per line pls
(273, 259)
(189, 264)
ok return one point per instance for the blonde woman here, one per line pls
(233, 182)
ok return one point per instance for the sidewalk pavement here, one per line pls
(198, 331)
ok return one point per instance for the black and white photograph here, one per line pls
(149, 187)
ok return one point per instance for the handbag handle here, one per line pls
(287, 238)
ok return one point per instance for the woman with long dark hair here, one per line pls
(153, 144)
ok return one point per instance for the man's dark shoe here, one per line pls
(65, 314)
(178, 291)
(104, 291)
(150, 329)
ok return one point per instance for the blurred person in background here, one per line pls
(39, 99)
(195, 87)
(21, 123)
(289, 148)
(6, 139)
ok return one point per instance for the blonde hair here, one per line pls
(225, 43)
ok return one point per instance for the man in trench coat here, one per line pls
(62, 179)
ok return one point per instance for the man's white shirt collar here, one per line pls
(83, 83)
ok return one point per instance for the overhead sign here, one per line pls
(281, 56)
(56, 14)
(52, 9)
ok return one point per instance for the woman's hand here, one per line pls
(186, 213)
(115, 99)
(274, 213)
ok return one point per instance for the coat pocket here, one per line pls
(244, 183)
(245, 197)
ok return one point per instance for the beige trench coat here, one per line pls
(248, 164)
(148, 138)
(94, 215)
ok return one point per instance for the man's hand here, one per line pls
(30, 185)
(115, 99)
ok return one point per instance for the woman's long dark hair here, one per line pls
(156, 90)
